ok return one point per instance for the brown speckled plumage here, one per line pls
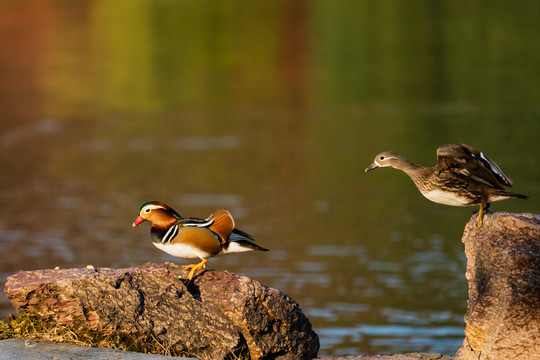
(463, 176)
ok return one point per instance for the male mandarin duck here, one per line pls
(192, 238)
(463, 176)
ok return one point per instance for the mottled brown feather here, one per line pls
(468, 161)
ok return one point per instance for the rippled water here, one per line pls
(272, 112)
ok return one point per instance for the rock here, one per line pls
(503, 270)
(149, 309)
(44, 350)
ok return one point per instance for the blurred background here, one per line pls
(271, 109)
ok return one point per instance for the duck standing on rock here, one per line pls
(463, 176)
(192, 238)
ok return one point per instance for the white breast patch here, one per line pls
(182, 251)
(447, 198)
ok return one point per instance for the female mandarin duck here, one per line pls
(463, 176)
(194, 238)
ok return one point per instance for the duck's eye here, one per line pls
(147, 210)
(381, 157)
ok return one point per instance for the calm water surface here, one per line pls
(272, 110)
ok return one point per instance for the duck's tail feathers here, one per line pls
(241, 246)
(519, 196)
(503, 195)
(237, 235)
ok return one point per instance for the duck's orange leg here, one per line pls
(195, 267)
(480, 216)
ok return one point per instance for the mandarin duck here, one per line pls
(192, 238)
(463, 176)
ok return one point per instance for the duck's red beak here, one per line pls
(137, 221)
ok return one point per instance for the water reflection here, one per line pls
(404, 338)
(272, 112)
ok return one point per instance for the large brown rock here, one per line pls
(218, 315)
(503, 270)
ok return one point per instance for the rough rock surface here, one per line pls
(216, 316)
(503, 270)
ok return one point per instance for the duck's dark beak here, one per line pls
(137, 221)
(371, 167)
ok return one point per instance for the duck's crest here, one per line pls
(163, 206)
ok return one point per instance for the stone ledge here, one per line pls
(44, 350)
(20, 349)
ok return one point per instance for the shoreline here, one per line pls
(29, 349)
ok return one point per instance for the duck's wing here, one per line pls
(465, 160)
(167, 234)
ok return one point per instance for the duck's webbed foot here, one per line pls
(195, 267)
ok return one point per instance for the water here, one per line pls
(272, 110)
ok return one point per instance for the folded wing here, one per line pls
(465, 160)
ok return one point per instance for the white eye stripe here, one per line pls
(147, 208)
